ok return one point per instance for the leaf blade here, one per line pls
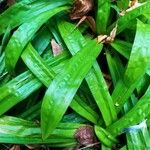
(66, 85)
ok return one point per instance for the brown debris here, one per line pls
(132, 5)
(15, 147)
(32, 146)
(81, 8)
(10, 2)
(106, 38)
(89, 20)
(108, 80)
(85, 135)
(56, 48)
(80, 21)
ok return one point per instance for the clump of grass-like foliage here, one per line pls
(75, 74)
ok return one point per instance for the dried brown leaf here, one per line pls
(91, 22)
(10, 2)
(85, 135)
(15, 147)
(106, 38)
(81, 8)
(56, 48)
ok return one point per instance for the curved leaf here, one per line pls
(127, 19)
(26, 11)
(22, 86)
(136, 115)
(63, 88)
(45, 75)
(19, 131)
(26, 32)
(97, 85)
(102, 15)
(137, 66)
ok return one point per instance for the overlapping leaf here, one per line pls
(137, 66)
(63, 88)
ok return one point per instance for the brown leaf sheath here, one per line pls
(81, 8)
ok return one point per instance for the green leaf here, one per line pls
(139, 139)
(103, 147)
(97, 85)
(124, 21)
(5, 39)
(19, 131)
(140, 55)
(105, 137)
(124, 148)
(22, 86)
(115, 66)
(32, 112)
(123, 4)
(102, 15)
(45, 74)
(136, 115)
(25, 11)
(84, 110)
(136, 68)
(2, 66)
(42, 40)
(38, 67)
(105, 102)
(136, 140)
(26, 32)
(124, 48)
(63, 88)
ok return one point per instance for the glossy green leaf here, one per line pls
(26, 32)
(32, 112)
(102, 15)
(136, 115)
(22, 86)
(5, 39)
(84, 110)
(2, 66)
(122, 47)
(135, 140)
(61, 92)
(136, 68)
(105, 137)
(75, 82)
(115, 66)
(94, 78)
(127, 19)
(103, 147)
(45, 74)
(38, 67)
(25, 11)
(142, 85)
(15, 130)
(42, 40)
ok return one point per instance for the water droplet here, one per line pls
(140, 111)
(16, 94)
(9, 90)
(131, 120)
(116, 104)
(117, 130)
